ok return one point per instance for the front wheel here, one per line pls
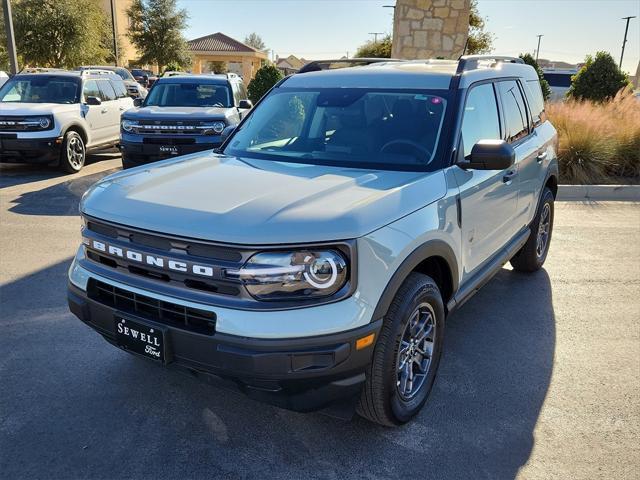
(532, 256)
(406, 355)
(73, 152)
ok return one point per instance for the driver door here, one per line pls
(488, 198)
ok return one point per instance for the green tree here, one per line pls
(479, 41)
(266, 77)
(156, 31)
(254, 40)
(599, 79)
(4, 55)
(218, 67)
(529, 60)
(371, 49)
(61, 33)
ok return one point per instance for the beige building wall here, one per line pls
(244, 64)
(430, 28)
(127, 53)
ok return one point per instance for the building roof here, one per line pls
(219, 42)
(291, 62)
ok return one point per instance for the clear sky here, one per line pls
(330, 28)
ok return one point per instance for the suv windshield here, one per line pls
(41, 89)
(189, 95)
(345, 126)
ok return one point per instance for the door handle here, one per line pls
(541, 156)
(510, 175)
(104, 110)
(122, 109)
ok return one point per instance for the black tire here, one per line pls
(73, 153)
(381, 400)
(531, 257)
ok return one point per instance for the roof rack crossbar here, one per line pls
(319, 65)
(470, 62)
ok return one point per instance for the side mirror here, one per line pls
(245, 104)
(491, 155)
(227, 132)
(137, 102)
(93, 101)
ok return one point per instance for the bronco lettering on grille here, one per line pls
(156, 261)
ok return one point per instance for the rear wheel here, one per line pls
(73, 152)
(406, 355)
(532, 256)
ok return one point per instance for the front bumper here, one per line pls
(29, 150)
(300, 374)
(135, 153)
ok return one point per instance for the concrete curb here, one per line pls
(598, 193)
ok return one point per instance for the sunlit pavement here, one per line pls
(540, 376)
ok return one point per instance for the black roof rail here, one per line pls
(319, 65)
(470, 62)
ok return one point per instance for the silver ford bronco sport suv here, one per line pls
(316, 255)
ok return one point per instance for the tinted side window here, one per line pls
(108, 93)
(120, 89)
(515, 112)
(91, 90)
(536, 101)
(480, 120)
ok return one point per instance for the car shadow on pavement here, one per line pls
(83, 408)
(13, 174)
(59, 199)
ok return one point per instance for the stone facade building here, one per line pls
(430, 28)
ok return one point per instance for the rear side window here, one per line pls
(480, 120)
(515, 111)
(536, 101)
(108, 93)
(91, 90)
(120, 89)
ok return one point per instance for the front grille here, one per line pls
(17, 123)
(217, 257)
(168, 127)
(167, 313)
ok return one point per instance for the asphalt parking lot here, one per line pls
(540, 377)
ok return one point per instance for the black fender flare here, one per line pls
(432, 248)
(79, 128)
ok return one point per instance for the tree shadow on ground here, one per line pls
(74, 406)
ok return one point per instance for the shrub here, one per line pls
(266, 77)
(529, 60)
(599, 142)
(371, 49)
(599, 79)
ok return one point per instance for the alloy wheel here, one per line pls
(416, 351)
(543, 230)
(75, 152)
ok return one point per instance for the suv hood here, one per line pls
(176, 113)
(259, 202)
(10, 108)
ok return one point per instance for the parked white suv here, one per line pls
(57, 117)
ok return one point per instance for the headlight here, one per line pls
(215, 127)
(293, 275)
(128, 125)
(43, 122)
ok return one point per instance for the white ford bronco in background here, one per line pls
(58, 117)
(316, 255)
